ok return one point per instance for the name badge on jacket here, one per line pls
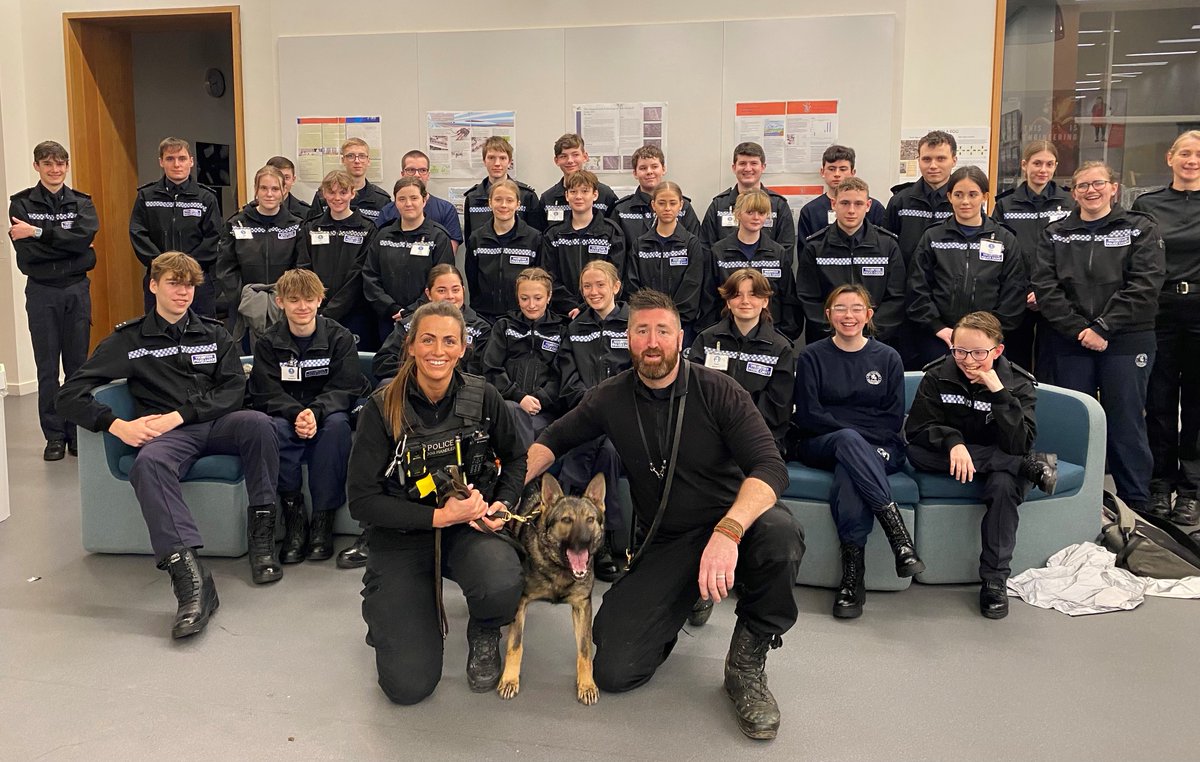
(320, 237)
(421, 249)
(991, 250)
(243, 234)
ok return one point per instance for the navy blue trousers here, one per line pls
(328, 451)
(60, 325)
(164, 460)
(860, 484)
(1122, 381)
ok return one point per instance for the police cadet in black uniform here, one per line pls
(499, 249)
(176, 213)
(668, 258)
(583, 237)
(916, 206)
(852, 250)
(290, 202)
(596, 348)
(1027, 210)
(401, 256)
(720, 221)
(750, 246)
(965, 264)
(334, 246)
(52, 231)
(571, 156)
(633, 212)
(445, 284)
(497, 159)
(745, 346)
(306, 376)
(258, 243)
(1098, 276)
(1175, 379)
(369, 199)
(430, 417)
(837, 164)
(704, 472)
(521, 357)
(973, 416)
(187, 385)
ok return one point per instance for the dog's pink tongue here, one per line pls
(578, 560)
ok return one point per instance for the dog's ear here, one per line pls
(551, 491)
(595, 491)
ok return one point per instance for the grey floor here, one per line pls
(87, 670)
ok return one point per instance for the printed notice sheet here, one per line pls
(319, 145)
(793, 134)
(613, 131)
(455, 139)
(972, 149)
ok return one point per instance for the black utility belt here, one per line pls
(1181, 287)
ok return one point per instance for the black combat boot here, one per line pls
(320, 536)
(1187, 511)
(993, 598)
(746, 682)
(1160, 504)
(483, 657)
(1041, 468)
(852, 593)
(701, 611)
(355, 556)
(195, 591)
(607, 566)
(295, 522)
(907, 562)
(261, 530)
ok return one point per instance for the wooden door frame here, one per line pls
(997, 93)
(104, 142)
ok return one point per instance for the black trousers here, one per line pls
(60, 325)
(1004, 490)
(1174, 393)
(638, 622)
(400, 609)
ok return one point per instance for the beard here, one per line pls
(669, 359)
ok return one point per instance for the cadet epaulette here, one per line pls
(902, 186)
(1006, 193)
(130, 322)
(147, 185)
(1019, 370)
(934, 363)
(81, 194)
(884, 231)
(212, 320)
(208, 188)
(817, 234)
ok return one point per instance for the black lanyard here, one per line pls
(664, 440)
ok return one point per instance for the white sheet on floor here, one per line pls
(1084, 579)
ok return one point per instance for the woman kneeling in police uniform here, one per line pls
(427, 419)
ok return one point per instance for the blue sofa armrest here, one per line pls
(116, 395)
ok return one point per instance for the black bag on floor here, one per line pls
(1147, 545)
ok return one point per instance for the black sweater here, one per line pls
(724, 441)
(1178, 216)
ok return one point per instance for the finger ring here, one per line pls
(720, 576)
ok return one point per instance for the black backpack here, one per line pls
(1147, 545)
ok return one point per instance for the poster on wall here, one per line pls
(455, 139)
(613, 131)
(319, 145)
(793, 134)
(972, 149)
(798, 195)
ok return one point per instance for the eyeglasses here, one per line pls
(976, 354)
(1097, 184)
(842, 309)
(413, 171)
(356, 156)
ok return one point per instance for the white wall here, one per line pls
(943, 69)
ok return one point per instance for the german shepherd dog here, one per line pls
(560, 542)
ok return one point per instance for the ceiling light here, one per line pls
(1161, 53)
(1080, 97)
(1100, 31)
(1086, 45)
(1086, 89)
(1089, 82)
(1186, 39)
(1144, 63)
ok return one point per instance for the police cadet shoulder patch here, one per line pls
(130, 322)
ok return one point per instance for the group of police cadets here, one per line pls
(1083, 289)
